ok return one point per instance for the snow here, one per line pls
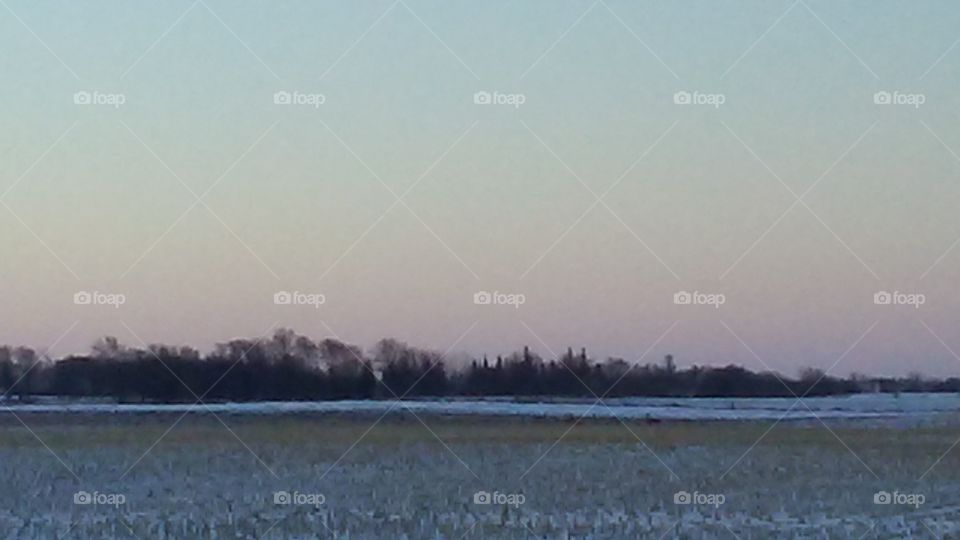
(198, 478)
(861, 406)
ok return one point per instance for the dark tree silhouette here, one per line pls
(288, 366)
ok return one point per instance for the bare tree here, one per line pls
(25, 360)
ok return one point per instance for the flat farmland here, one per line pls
(198, 475)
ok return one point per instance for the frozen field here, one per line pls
(879, 406)
(167, 475)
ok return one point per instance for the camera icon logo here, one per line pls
(82, 497)
(82, 298)
(281, 497)
(482, 298)
(681, 497)
(882, 497)
(82, 98)
(482, 98)
(481, 497)
(882, 298)
(682, 98)
(882, 98)
(682, 298)
(282, 298)
(282, 98)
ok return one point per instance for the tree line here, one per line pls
(288, 366)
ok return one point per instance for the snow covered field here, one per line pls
(169, 475)
(905, 406)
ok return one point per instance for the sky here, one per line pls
(170, 170)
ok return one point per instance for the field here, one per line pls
(307, 476)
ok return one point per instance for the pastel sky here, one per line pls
(797, 198)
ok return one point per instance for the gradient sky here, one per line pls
(96, 198)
